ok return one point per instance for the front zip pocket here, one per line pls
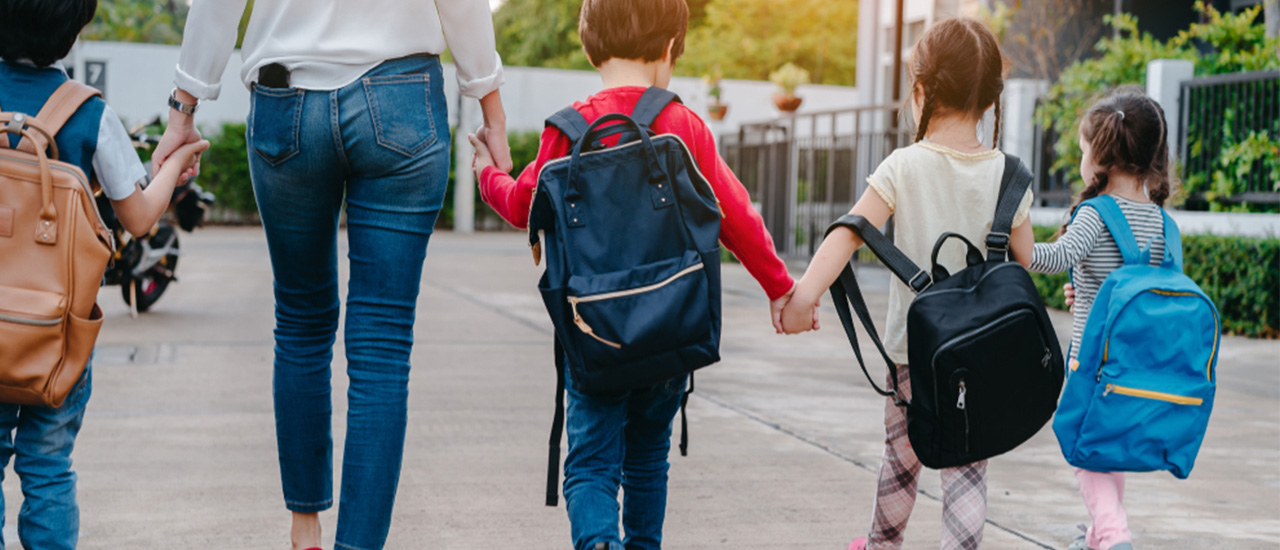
(1149, 394)
(642, 311)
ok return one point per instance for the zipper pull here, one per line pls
(960, 400)
(1110, 388)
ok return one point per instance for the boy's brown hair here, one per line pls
(632, 29)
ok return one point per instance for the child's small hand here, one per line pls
(775, 308)
(1069, 292)
(187, 157)
(799, 316)
(483, 158)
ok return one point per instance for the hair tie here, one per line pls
(1121, 114)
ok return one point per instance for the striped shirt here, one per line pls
(1090, 251)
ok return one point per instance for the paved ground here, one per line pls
(178, 448)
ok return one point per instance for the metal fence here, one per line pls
(1220, 111)
(806, 170)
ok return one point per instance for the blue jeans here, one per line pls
(40, 440)
(381, 147)
(619, 441)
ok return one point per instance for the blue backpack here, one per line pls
(631, 237)
(1138, 398)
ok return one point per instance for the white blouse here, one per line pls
(328, 44)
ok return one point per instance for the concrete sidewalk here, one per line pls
(178, 450)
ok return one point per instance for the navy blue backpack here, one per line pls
(631, 238)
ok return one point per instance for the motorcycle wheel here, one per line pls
(152, 283)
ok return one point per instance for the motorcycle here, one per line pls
(144, 266)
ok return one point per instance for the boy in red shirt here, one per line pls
(623, 440)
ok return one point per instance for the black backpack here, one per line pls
(986, 368)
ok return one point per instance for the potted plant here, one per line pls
(716, 109)
(788, 77)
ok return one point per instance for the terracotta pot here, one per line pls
(717, 111)
(787, 103)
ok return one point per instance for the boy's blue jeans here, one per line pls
(379, 146)
(39, 440)
(619, 441)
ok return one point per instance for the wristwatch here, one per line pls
(180, 106)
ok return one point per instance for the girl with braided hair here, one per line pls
(948, 180)
(1125, 154)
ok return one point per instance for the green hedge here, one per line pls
(225, 171)
(1240, 274)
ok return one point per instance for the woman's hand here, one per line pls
(494, 131)
(483, 158)
(180, 131)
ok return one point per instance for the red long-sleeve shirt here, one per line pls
(742, 230)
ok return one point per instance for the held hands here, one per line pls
(800, 315)
(181, 131)
(483, 157)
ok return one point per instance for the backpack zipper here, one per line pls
(1149, 394)
(586, 329)
(960, 404)
(1208, 367)
(31, 322)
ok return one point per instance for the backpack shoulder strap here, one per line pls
(1013, 186)
(557, 430)
(570, 122)
(893, 258)
(1116, 223)
(57, 110)
(1172, 243)
(651, 104)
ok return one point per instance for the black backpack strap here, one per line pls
(651, 104)
(570, 122)
(1013, 186)
(684, 418)
(557, 432)
(890, 255)
(845, 291)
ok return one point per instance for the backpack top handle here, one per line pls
(656, 174)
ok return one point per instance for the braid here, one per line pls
(995, 138)
(926, 112)
(1159, 167)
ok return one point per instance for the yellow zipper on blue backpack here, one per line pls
(1106, 344)
(1149, 394)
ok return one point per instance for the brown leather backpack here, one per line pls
(54, 248)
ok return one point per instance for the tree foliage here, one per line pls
(1223, 43)
(157, 22)
(746, 38)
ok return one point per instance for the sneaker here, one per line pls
(1079, 543)
(859, 543)
(1122, 546)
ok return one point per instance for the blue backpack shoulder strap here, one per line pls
(569, 121)
(651, 105)
(1172, 243)
(1116, 223)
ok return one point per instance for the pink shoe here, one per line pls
(859, 543)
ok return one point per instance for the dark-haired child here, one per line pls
(1125, 155)
(34, 36)
(947, 181)
(623, 440)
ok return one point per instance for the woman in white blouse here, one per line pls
(347, 110)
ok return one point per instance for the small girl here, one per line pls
(947, 181)
(1125, 155)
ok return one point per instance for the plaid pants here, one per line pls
(964, 489)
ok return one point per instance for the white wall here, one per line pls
(1191, 223)
(139, 78)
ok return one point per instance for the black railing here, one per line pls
(1217, 113)
(806, 170)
